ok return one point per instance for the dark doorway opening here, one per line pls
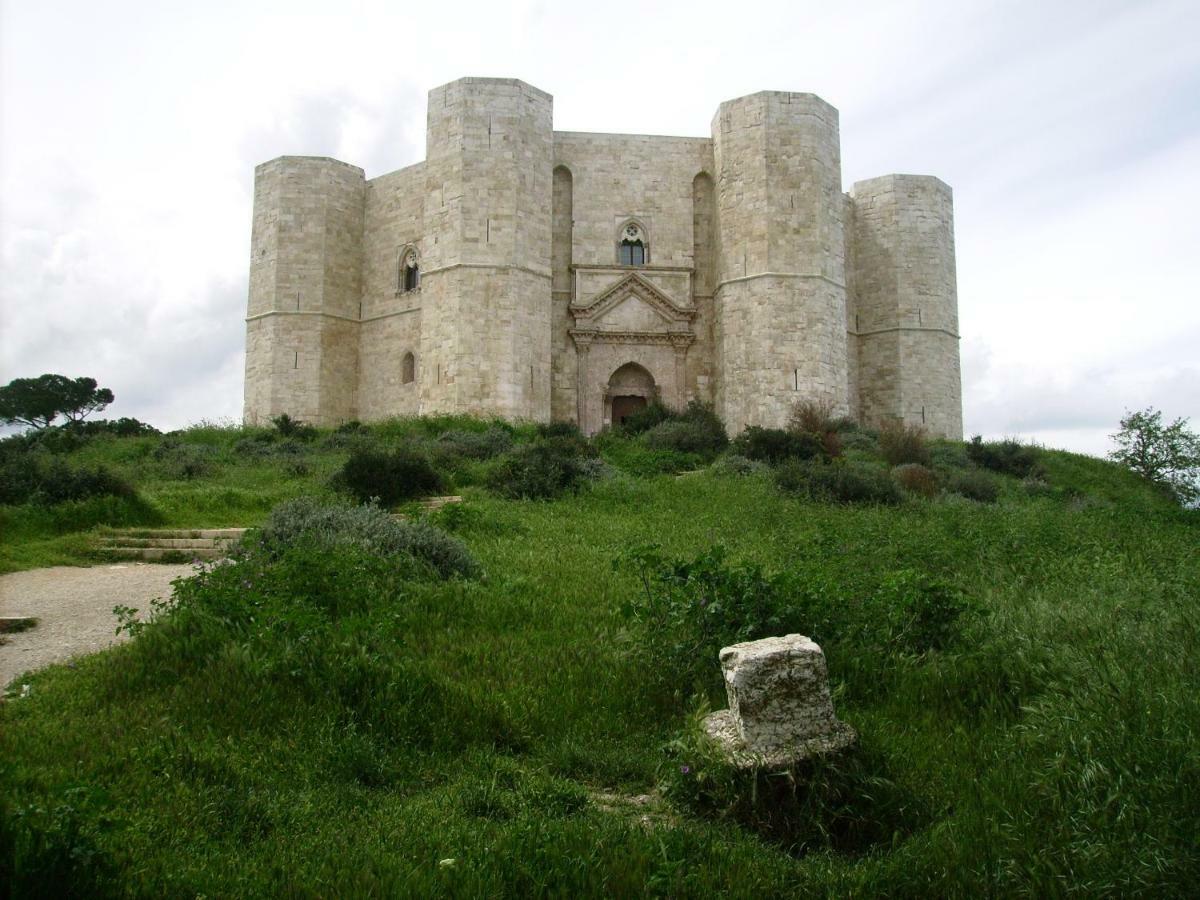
(623, 407)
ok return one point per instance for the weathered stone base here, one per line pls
(721, 728)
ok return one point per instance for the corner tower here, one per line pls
(780, 307)
(907, 303)
(485, 279)
(305, 287)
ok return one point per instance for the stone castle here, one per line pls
(545, 275)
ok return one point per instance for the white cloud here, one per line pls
(1069, 131)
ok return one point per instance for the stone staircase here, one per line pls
(168, 544)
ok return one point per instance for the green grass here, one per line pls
(1050, 751)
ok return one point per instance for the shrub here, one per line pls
(839, 482)
(389, 477)
(738, 466)
(923, 613)
(974, 485)
(916, 479)
(948, 455)
(1006, 457)
(306, 521)
(632, 455)
(901, 443)
(255, 445)
(814, 417)
(774, 445)
(28, 479)
(540, 470)
(863, 440)
(685, 436)
(293, 428)
(690, 609)
(185, 461)
(653, 413)
(475, 444)
(559, 430)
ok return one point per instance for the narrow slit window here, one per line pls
(410, 272)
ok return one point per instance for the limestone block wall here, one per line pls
(305, 287)
(650, 179)
(391, 317)
(906, 303)
(486, 285)
(780, 306)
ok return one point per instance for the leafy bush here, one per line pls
(306, 521)
(185, 461)
(774, 445)
(739, 466)
(475, 444)
(685, 436)
(948, 455)
(1007, 457)
(559, 430)
(293, 428)
(862, 440)
(28, 478)
(653, 413)
(543, 469)
(632, 455)
(917, 479)
(815, 417)
(901, 443)
(975, 485)
(837, 482)
(689, 609)
(388, 476)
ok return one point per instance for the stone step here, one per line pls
(432, 503)
(224, 534)
(170, 543)
(160, 554)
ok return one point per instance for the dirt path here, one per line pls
(74, 608)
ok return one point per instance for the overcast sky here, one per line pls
(1070, 132)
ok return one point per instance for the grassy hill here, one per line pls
(326, 717)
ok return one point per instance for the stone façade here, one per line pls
(535, 274)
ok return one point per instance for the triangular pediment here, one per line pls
(631, 300)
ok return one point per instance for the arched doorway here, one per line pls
(630, 389)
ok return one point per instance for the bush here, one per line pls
(814, 417)
(475, 444)
(653, 413)
(308, 522)
(738, 466)
(916, 479)
(862, 440)
(185, 461)
(839, 482)
(632, 455)
(689, 609)
(389, 477)
(293, 428)
(25, 478)
(948, 455)
(1006, 457)
(900, 443)
(974, 485)
(686, 436)
(774, 445)
(540, 470)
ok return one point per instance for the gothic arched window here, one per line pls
(408, 368)
(633, 250)
(410, 271)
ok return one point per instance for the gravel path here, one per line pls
(74, 609)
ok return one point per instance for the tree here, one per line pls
(1168, 455)
(37, 402)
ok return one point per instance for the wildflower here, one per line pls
(685, 769)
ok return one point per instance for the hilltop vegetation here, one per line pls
(500, 698)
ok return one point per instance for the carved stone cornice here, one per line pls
(634, 284)
(677, 339)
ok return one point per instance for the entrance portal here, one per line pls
(623, 407)
(630, 388)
